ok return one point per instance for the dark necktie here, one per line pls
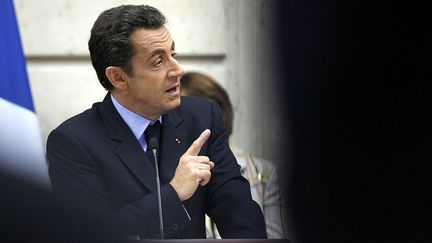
(152, 131)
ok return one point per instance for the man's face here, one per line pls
(153, 87)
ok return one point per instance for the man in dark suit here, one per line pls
(99, 156)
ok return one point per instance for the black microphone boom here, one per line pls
(154, 146)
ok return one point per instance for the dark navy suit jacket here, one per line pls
(95, 159)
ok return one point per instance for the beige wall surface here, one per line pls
(227, 39)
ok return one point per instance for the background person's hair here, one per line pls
(202, 85)
(110, 43)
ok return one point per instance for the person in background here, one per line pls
(261, 173)
(102, 157)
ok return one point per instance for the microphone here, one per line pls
(154, 146)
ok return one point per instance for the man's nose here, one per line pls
(176, 70)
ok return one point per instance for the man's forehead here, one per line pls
(151, 39)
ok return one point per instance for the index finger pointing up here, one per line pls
(195, 148)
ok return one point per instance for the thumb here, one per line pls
(196, 146)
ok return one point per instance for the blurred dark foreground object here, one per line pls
(31, 214)
(356, 76)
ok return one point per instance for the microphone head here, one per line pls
(153, 143)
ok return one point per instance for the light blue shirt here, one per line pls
(136, 123)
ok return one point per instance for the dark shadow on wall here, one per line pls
(355, 75)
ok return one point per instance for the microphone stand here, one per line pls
(153, 145)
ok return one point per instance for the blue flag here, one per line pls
(21, 150)
(14, 85)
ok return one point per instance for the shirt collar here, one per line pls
(136, 123)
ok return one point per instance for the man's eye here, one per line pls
(158, 63)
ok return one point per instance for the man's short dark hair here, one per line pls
(110, 43)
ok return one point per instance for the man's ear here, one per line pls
(116, 76)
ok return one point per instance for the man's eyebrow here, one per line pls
(160, 50)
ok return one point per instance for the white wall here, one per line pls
(226, 39)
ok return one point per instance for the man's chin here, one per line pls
(173, 104)
(177, 103)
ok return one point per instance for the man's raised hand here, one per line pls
(192, 170)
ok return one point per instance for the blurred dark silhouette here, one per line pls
(355, 77)
(29, 213)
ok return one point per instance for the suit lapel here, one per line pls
(133, 156)
(172, 146)
(129, 149)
